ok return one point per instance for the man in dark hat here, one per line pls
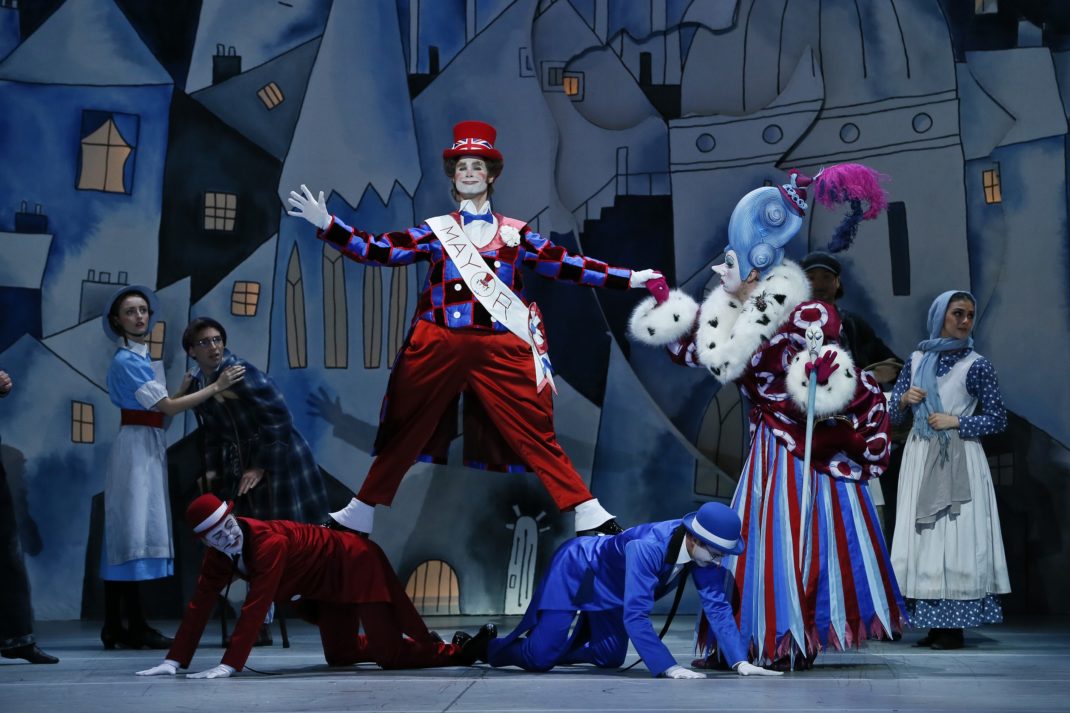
(869, 351)
(607, 587)
(473, 332)
(340, 581)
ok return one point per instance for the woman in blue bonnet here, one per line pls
(947, 549)
(137, 512)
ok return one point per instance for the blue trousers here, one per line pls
(599, 638)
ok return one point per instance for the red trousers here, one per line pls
(382, 642)
(436, 365)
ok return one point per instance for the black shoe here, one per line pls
(30, 652)
(460, 638)
(331, 524)
(609, 527)
(148, 638)
(475, 649)
(713, 662)
(927, 640)
(112, 638)
(948, 639)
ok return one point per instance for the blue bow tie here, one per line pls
(469, 217)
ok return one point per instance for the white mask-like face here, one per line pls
(703, 555)
(470, 177)
(728, 271)
(226, 537)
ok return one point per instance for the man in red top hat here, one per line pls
(341, 581)
(473, 332)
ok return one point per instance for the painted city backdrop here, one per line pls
(155, 142)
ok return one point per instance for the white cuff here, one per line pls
(830, 398)
(660, 324)
(591, 514)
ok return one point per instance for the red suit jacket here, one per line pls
(284, 559)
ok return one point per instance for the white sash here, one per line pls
(495, 296)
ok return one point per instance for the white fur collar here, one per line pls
(730, 331)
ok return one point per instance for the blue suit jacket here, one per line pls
(630, 572)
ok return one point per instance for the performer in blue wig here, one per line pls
(947, 549)
(816, 572)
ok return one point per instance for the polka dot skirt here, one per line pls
(954, 613)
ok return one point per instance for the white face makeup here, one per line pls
(728, 271)
(702, 554)
(226, 537)
(470, 178)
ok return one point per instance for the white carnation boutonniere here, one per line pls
(510, 235)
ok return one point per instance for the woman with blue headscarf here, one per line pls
(947, 549)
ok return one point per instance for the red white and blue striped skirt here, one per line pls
(837, 590)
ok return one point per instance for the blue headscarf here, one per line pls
(925, 376)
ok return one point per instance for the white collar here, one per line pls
(469, 206)
(141, 349)
(683, 557)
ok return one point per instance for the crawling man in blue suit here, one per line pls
(611, 584)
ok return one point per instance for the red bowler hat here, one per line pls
(473, 138)
(206, 512)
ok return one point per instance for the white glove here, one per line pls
(167, 668)
(220, 671)
(307, 207)
(677, 671)
(747, 669)
(641, 277)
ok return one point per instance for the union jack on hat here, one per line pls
(473, 138)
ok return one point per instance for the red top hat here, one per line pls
(473, 138)
(206, 512)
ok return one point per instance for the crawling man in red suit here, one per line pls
(339, 580)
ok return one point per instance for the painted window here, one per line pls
(993, 190)
(220, 210)
(433, 586)
(271, 95)
(398, 321)
(985, 7)
(899, 248)
(373, 318)
(335, 311)
(296, 345)
(156, 337)
(520, 579)
(81, 422)
(723, 440)
(244, 298)
(106, 158)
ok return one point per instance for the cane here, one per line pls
(814, 340)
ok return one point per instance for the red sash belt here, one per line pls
(130, 417)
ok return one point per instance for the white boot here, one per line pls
(356, 516)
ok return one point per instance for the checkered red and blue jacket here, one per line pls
(445, 299)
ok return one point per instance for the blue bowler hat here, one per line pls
(118, 295)
(718, 526)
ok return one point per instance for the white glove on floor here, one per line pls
(747, 669)
(307, 207)
(641, 277)
(220, 671)
(167, 668)
(680, 672)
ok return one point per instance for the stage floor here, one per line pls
(1019, 666)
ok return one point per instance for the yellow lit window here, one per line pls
(81, 422)
(244, 298)
(104, 155)
(433, 588)
(271, 95)
(571, 85)
(993, 192)
(220, 210)
(156, 341)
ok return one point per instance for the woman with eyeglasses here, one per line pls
(947, 550)
(137, 513)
